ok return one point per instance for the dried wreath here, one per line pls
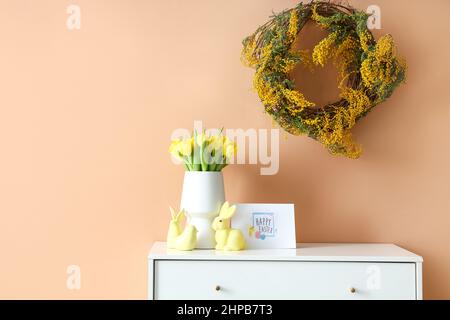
(369, 71)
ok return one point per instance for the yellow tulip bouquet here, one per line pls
(202, 152)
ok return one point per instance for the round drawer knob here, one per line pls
(217, 288)
(352, 290)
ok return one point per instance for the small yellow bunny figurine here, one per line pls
(227, 238)
(181, 240)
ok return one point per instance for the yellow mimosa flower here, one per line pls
(293, 25)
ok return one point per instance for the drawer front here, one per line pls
(196, 279)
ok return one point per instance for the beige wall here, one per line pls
(85, 120)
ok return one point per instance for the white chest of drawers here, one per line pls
(312, 271)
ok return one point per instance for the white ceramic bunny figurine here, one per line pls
(227, 238)
(178, 239)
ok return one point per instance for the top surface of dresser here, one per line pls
(355, 252)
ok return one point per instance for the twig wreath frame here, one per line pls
(369, 71)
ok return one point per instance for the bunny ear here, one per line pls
(228, 212)
(231, 210)
(172, 212)
(224, 209)
(180, 215)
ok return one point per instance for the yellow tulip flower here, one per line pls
(204, 153)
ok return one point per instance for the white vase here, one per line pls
(203, 194)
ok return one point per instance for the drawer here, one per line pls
(207, 279)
